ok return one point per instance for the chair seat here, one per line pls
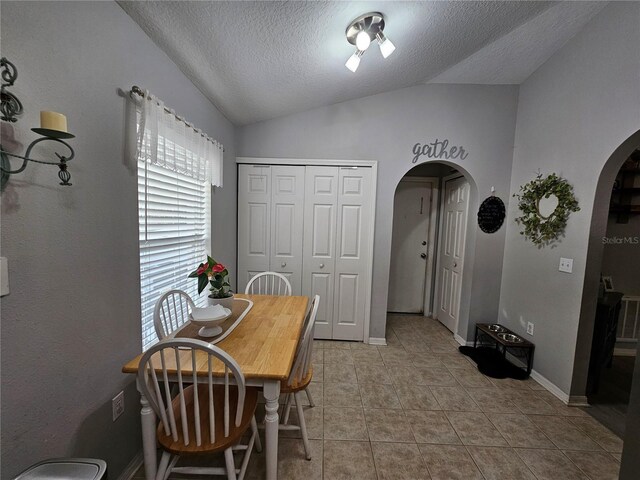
(297, 386)
(221, 442)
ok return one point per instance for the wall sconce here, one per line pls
(53, 127)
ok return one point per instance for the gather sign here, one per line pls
(439, 150)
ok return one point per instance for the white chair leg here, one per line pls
(230, 464)
(287, 409)
(161, 473)
(303, 425)
(254, 428)
(309, 397)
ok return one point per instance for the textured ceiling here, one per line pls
(516, 55)
(260, 60)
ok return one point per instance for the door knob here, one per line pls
(424, 243)
(322, 265)
(423, 255)
(455, 264)
(283, 264)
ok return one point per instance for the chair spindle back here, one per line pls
(171, 312)
(268, 283)
(176, 360)
(304, 353)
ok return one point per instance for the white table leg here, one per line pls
(148, 418)
(271, 394)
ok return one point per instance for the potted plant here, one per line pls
(216, 275)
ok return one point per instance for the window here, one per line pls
(174, 218)
(176, 168)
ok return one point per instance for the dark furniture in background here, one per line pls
(604, 337)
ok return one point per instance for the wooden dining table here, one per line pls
(264, 345)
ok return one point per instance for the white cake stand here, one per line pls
(211, 328)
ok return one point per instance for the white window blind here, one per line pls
(175, 170)
(174, 218)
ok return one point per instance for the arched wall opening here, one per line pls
(595, 253)
(442, 170)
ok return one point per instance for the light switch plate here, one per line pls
(4, 277)
(530, 328)
(117, 405)
(566, 265)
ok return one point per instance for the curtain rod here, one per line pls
(138, 91)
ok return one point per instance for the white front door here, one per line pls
(319, 243)
(452, 242)
(352, 252)
(287, 214)
(409, 247)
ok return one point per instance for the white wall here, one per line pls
(573, 113)
(385, 128)
(72, 318)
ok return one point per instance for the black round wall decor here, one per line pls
(491, 215)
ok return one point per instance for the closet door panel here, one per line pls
(352, 256)
(287, 214)
(254, 221)
(321, 187)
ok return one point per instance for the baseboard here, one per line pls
(382, 342)
(133, 466)
(624, 352)
(578, 401)
(552, 387)
(462, 341)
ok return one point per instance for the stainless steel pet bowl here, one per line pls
(510, 337)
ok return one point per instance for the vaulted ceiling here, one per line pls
(260, 60)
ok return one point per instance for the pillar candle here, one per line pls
(53, 121)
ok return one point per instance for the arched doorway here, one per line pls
(430, 242)
(593, 270)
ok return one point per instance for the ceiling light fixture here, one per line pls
(361, 32)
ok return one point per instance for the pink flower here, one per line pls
(217, 268)
(203, 269)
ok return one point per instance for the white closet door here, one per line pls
(254, 220)
(319, 240)
(287, 214)
(352, 252)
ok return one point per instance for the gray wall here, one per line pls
(385, 128)
(573, 113)
(73, 316)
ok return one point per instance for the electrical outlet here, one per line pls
(530, 328)
(117, 405)
(566, 265)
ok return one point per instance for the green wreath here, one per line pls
(537, 228)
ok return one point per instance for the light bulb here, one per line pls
(354, 61)
(363, 40)
(386, 47)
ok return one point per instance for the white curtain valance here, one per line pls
(172, 143)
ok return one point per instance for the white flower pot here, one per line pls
(225, 302)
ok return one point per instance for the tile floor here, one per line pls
(417, 409)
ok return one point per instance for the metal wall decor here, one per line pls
(491, 214)
(438, 150)
(11, 105)
(10, 108)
